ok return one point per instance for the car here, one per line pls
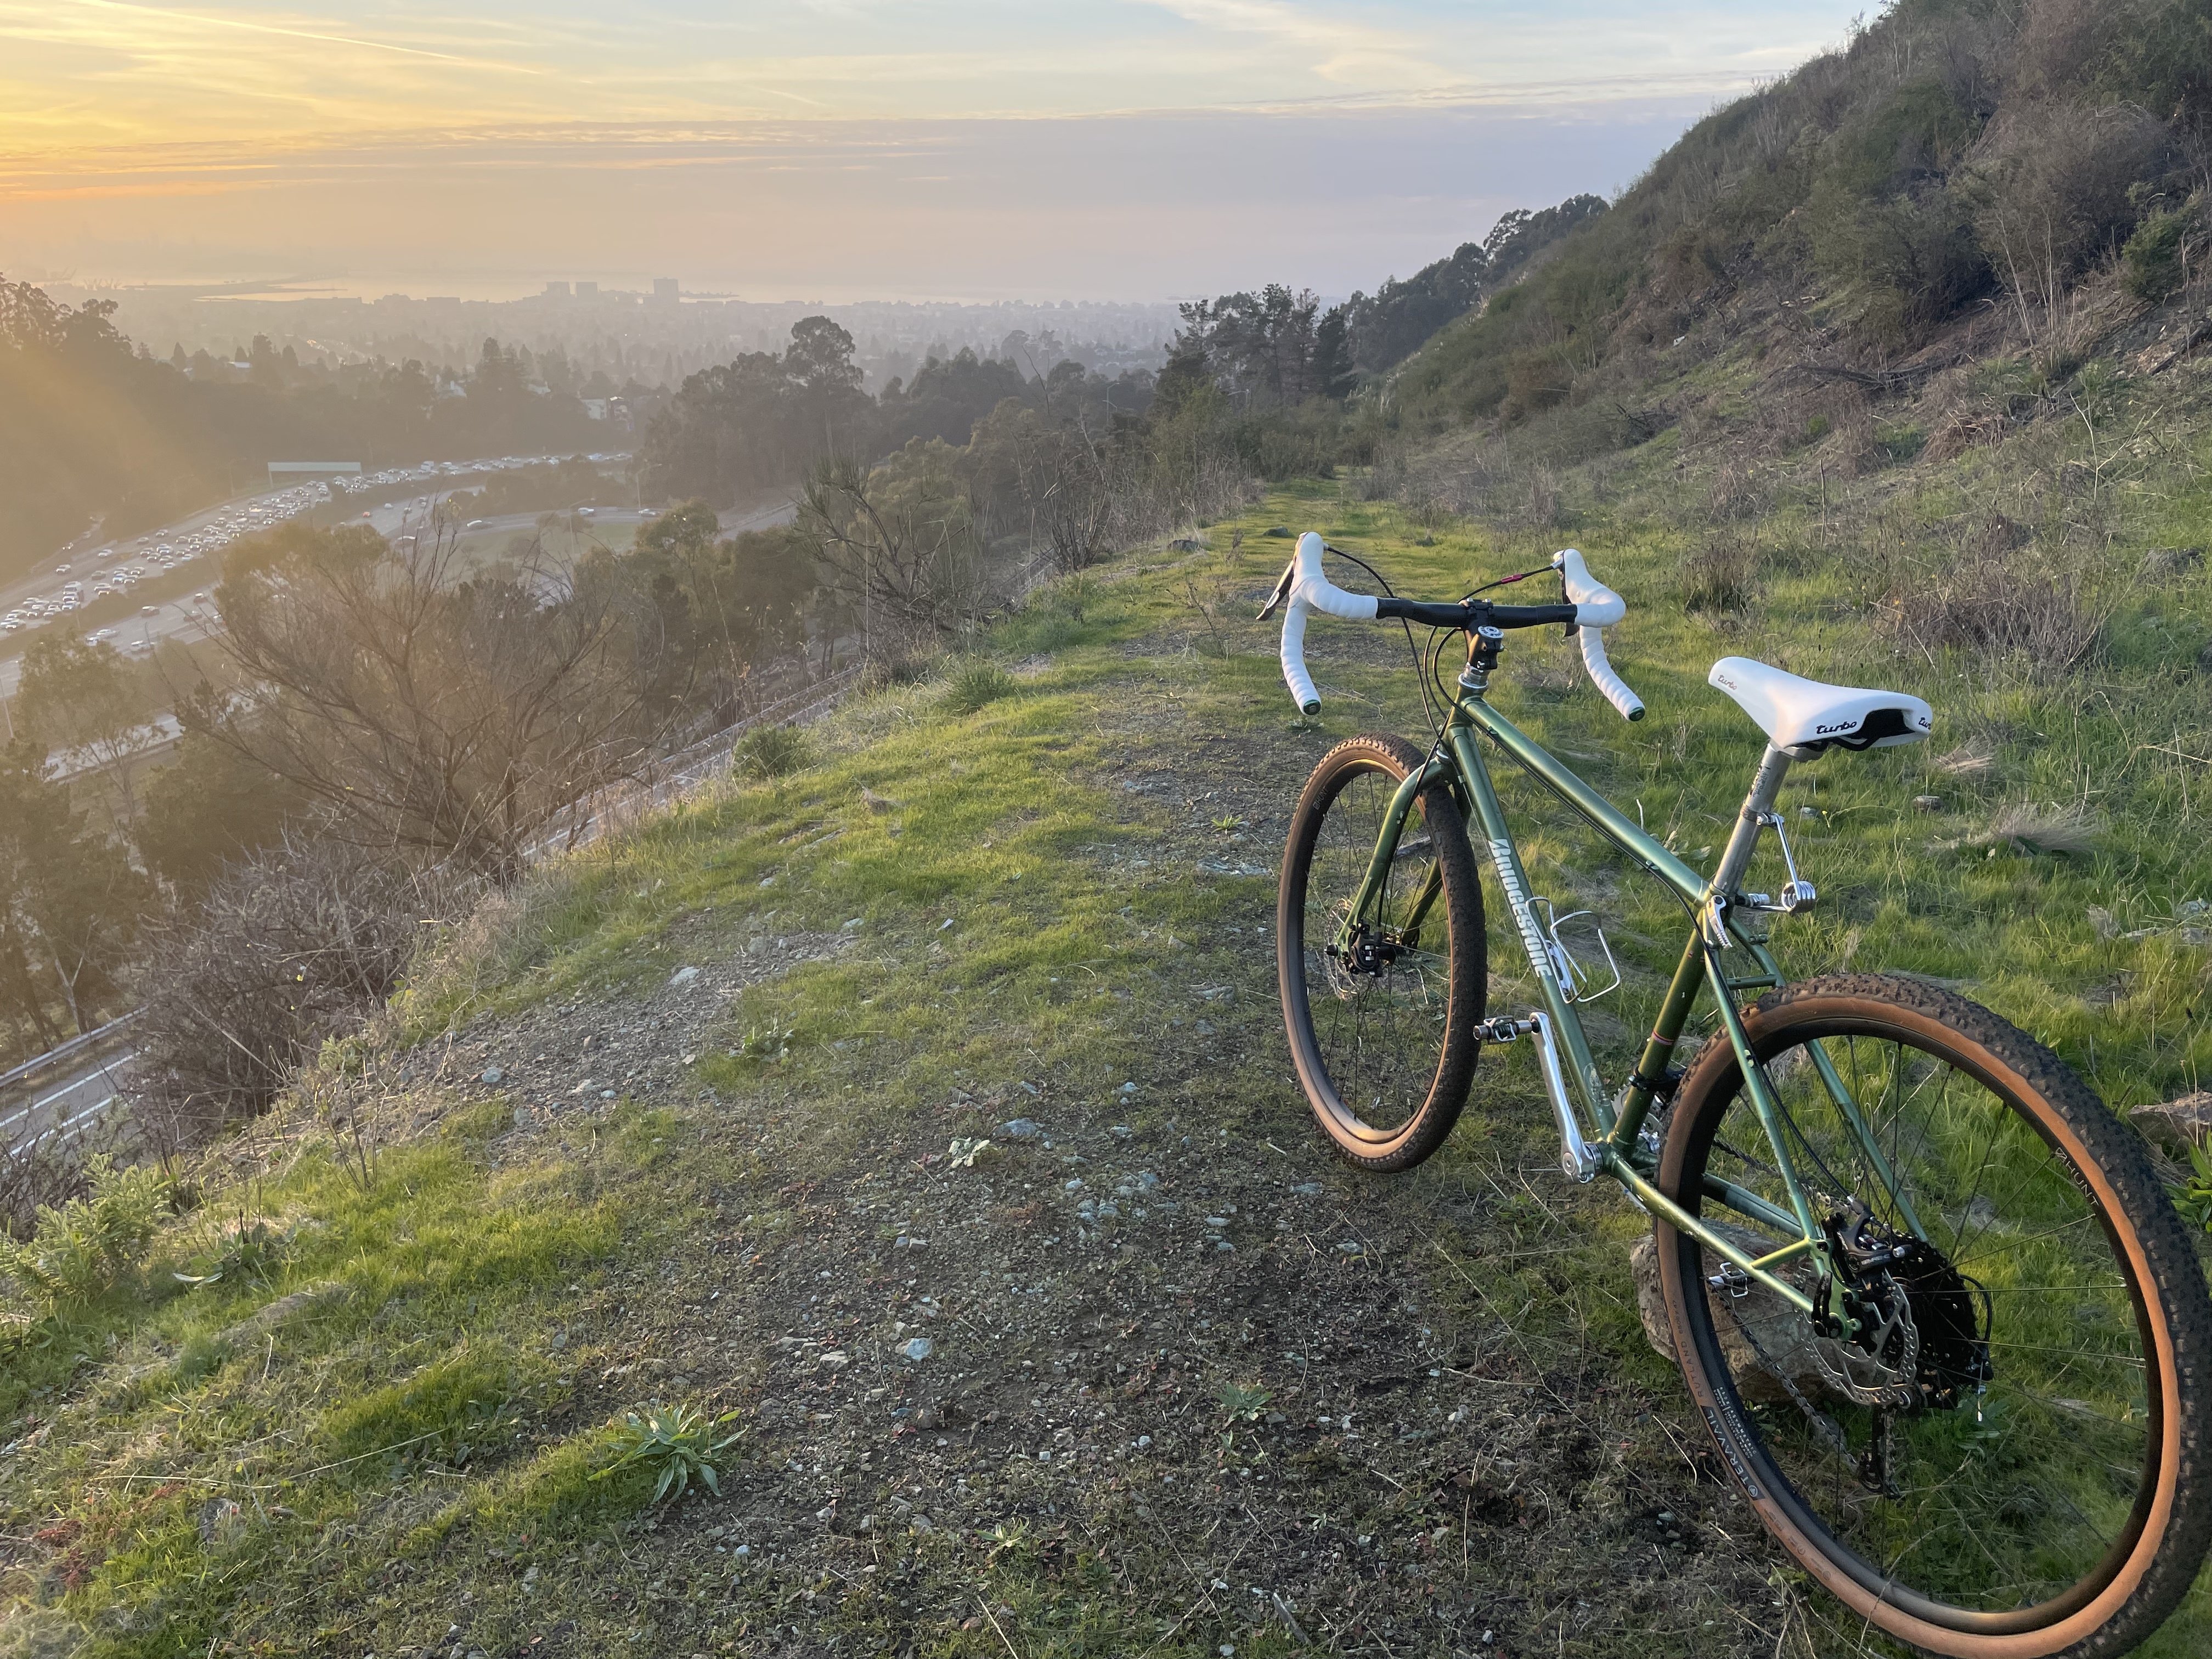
(201, 594)
(61, 570)
(105, 553)
(477, 524)
(149, 610)
(586, 512)
(648, 513)
(104, 634)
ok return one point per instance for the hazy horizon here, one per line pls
(1107, 150)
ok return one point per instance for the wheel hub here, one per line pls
(1900, 1328)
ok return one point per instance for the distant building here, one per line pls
(588, 290)
(665, 291)
(557, 290)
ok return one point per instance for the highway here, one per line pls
(193, 544)
(64, 1104)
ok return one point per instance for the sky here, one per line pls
(837, 148)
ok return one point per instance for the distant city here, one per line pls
(656, 336)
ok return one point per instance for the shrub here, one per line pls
(2002, 601)
(770, 752)
(2155, 264)
(300, 943)
(78, 1251)
(1721, 576)
(976, 684)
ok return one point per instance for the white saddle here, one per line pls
(1805, 717)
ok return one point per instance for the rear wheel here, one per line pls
(1383, 1030)
(2003, 1452)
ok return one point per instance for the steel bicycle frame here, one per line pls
(1617, 1147)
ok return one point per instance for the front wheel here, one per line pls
(1996, 1447)
(1382, 1007)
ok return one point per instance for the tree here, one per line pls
(213, 808)
(77, 695)
(433, 716)
(897, 544)
(69, 900)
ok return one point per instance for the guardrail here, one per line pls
(76, 1045)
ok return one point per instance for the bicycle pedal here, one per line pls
(1503, 1031)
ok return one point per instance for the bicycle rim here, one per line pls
(1384, 1062)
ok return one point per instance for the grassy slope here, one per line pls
(412, 1455)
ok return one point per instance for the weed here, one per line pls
(767, 1041)
(678, 1440)
(771, 752)
(977, 685)
(251, 1251)
(2194, 1199)
(79, 1251)
(1721, 576)
(1245, 1400)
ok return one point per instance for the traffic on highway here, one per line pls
(89, 569)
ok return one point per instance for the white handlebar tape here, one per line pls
(1615, 691)
(1597, 607)
(1311, 590)
(1595, 604)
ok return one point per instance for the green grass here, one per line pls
(1034, 885)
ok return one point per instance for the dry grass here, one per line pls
(2064, 829)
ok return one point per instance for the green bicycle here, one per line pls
(1943, 1326)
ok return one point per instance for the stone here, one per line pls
(222, 1522)
(1022, 1128)
(909, 1242)
(2103, 923)
(2179, 1123)
(1928, 803)
(282, 1310)
(917, 1349)
(1781, 1329)
(682, 978)
(969, 1154)
(493, 1076)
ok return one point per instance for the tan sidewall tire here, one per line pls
(1430, 1125)
(2170, 1545)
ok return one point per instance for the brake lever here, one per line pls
(1282, 590)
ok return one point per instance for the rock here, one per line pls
(1185, 544)
(284, 1310)
(967, 1154)
(223, 1523)
(682, 977)
(917, 1349)
(852, 926)
(1928, 803)
(1022, 1128)
(834, 1360)
(1128, 1089)
(909, 1242)
(493, 1076)
(1782, 1331)
(1280, 532)
(1308, 1189)
(876, 803)
(1120, 1131)
(2103, 923)
(1651, 1298)
(2177, 1124)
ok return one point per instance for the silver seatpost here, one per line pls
(1736, 857)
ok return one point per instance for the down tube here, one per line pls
(1514, 883)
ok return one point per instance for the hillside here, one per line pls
(1933, 229)
(1027, 900)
